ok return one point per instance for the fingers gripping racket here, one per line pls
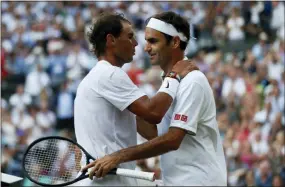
(57, 161)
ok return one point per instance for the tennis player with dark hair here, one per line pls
(189, 143)
(107, 100)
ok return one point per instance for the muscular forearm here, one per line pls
(157, 146)
(145, 129)
(157, 107)
(151, 110)
(160, 103)
(154, 147)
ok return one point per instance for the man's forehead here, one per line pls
(152, 33)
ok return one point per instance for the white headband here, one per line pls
(166, 28)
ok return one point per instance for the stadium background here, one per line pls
(239, 46)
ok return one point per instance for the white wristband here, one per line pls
(169, 86)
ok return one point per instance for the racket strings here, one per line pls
(53, 161)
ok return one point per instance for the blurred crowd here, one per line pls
(239, 47)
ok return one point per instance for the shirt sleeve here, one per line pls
(119, 90)
(188, 107)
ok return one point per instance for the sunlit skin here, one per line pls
(160, 53)
(120, 50)
(156, 47)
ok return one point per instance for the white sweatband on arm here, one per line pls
(169, 86)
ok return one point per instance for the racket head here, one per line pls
(46, 159)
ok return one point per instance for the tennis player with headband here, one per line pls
(189, 140)
(107, 100)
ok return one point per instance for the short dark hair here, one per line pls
(107, 23)
(180, 24)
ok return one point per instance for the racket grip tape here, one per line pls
(136, 174)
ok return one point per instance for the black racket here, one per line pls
(57, 161)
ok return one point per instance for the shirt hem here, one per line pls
(190, 130)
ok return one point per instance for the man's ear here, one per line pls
(110, 40)
(175, 42)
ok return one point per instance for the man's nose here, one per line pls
(147, 48)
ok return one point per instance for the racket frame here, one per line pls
(80, 177)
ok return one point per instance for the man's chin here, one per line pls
(130, 60)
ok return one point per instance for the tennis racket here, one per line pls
(57, 161)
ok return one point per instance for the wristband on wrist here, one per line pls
(169, 86)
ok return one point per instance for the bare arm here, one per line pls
(157, 146)
(145, 129)
(152, 110)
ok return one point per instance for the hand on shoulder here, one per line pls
(183, 67)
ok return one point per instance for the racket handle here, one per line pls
(135, 174)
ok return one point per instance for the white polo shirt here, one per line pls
(200, 158)
(103, 125)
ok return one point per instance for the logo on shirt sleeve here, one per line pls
(180, 117)
(177, 117)
(184, 118)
